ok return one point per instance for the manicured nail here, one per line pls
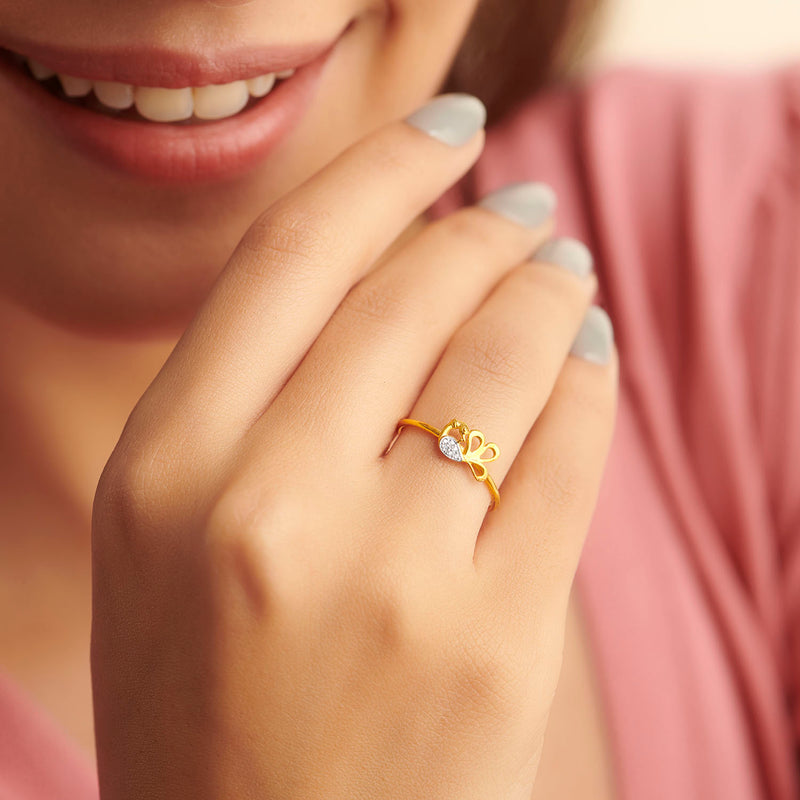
(566, 252)
(595, 339)
(451, 118)
(529, 204)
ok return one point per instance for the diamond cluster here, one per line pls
(449, 446)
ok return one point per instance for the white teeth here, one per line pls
(163, 105)
(262, 85)
(217, 101)
(114, 94)
(40, 71)
(75, 87)
(155, 103)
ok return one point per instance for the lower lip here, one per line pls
(170, 153)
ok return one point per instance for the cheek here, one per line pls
(427, 35)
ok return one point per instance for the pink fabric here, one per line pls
(37, 761)
(686, 185)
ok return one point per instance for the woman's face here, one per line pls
(134, 241)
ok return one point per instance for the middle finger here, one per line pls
(495, 376)
(380, 346)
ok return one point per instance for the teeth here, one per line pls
(75, 87)
(157, 104)
(163, 105)
(262, 85)
(40, 71)
(220, 100)
(113, 94)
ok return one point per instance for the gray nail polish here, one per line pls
(595, 339)
(451, 118)
(529, 204)
(566, 252)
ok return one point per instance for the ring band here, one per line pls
(467, 446)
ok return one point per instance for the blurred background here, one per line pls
(732, 32)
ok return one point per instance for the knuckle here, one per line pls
(373, 303)
(479, 231)
(292, 237)
(135, 489)
(553, 291)
(470, 226)
(383, 151)
(588, 392)
(244, 537)
(495, 350)
(241, 514)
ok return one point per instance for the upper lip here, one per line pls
(153, 65)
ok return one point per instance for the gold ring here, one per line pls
(467, 446)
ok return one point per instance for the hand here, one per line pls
(280, 609)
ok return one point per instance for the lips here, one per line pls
(167, 152)
(147, 65)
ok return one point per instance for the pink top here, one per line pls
(686, 185)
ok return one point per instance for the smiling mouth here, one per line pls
(190, 105)
(161, 114)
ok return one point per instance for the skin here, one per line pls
(91, 330)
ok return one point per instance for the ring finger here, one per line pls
(495, 375)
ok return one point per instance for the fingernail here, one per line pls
(451, 118)
(529, 203)
(595, 339)
(566, 252)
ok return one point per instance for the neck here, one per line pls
(64, 398)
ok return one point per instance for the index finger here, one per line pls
(298, 260)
